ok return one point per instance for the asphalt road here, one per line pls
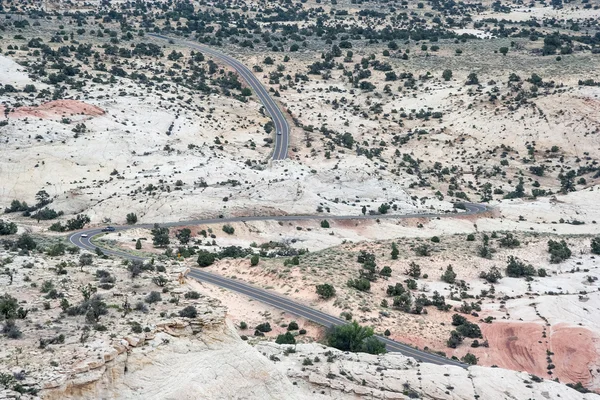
(282, 128)
(82, 239)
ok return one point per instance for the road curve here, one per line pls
(82, 239)
(282, 128)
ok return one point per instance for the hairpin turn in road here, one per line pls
(83, 240)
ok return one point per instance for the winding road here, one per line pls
(282, 128)
(83, 240)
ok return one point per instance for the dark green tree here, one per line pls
(184, 235)
(355, 338)
(205, 258)
(160, 236)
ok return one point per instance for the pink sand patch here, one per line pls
(58, 109)
(522, 347)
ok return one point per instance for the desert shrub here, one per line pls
(141, 307)
(470, 237)
(454, 340)
(469, 329)
(264, 327)
(153, 297)
(423, 250)
(542, 272)
(509, 241)
(395, 290)
(11, 330)
(192, 295)
(411, 284)
(354, 337)
(228, 229)
(254, 260)
(559, 251)
(324, 224)
(26, 242)
(136, 327)
(458, 320)
(362, 284)
(485, 251)
(395, 251)
(516, 268)
(205, 258)
(492, 276)
(132, 218)
(449, 276)
(293, 326)
(386, 271)
(189, 312)
(469, 359)
(347, 315)
(325, 290)
(414, 270)
(595, 245)
(7, 228)
(286, 338)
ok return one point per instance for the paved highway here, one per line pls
(282, 128)
(83, 239)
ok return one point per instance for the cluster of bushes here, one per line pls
(559, 251)
(356, 338)
(464, 328)
(71, 225)
(7, 228)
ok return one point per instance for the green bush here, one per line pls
(132, 218)
(395, 251)
(355, 338)
(559, 251)
(492, 276)
(386, 271)
(324, 224)
(26, 242)
(325, 290)
(516, 268)
(153, 297)
(469, 359)
(470, 237)
(292, 326)
(286, 338)
(264, 327)
(192, 295)
(205, 258)
(228, 229)
(414, 270)
(423, 250)
(454, 340)
(449, 276)
(254, 260)
(362, 284)
(509, 241)
(595, 245)
(189, 312)
(7, 228)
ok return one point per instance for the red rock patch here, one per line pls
(58, 109)
(521, 346)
